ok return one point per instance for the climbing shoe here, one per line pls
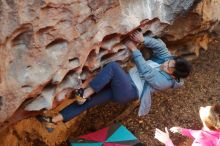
(79, 96)
(47, 121)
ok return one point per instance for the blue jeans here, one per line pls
(111, 83)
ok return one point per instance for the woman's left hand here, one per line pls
(137, 37)
(162, 136)
(130, 45)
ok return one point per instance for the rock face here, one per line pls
(44, 42)
(45, 45)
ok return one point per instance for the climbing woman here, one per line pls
(162, 71)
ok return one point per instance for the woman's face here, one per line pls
(204, 112)
(168, 66)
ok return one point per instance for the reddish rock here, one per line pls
(43, 44)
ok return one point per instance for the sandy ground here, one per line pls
(170, 108)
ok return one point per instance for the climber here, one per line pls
(161, 72)
(208, 136)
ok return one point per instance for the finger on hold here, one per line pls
(135, 33)
(132, 35)
(139, 29)
(138, 33)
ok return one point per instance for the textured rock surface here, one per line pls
(44, 43)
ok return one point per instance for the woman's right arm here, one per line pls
(156, 45)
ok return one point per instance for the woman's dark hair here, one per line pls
(182, 67)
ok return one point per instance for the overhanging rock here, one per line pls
(43, 43)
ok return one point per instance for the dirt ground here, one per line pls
(170, 108)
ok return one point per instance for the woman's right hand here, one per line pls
(176, 129)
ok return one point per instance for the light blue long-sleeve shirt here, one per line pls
(148, 79)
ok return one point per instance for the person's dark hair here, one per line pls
(182, 67)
